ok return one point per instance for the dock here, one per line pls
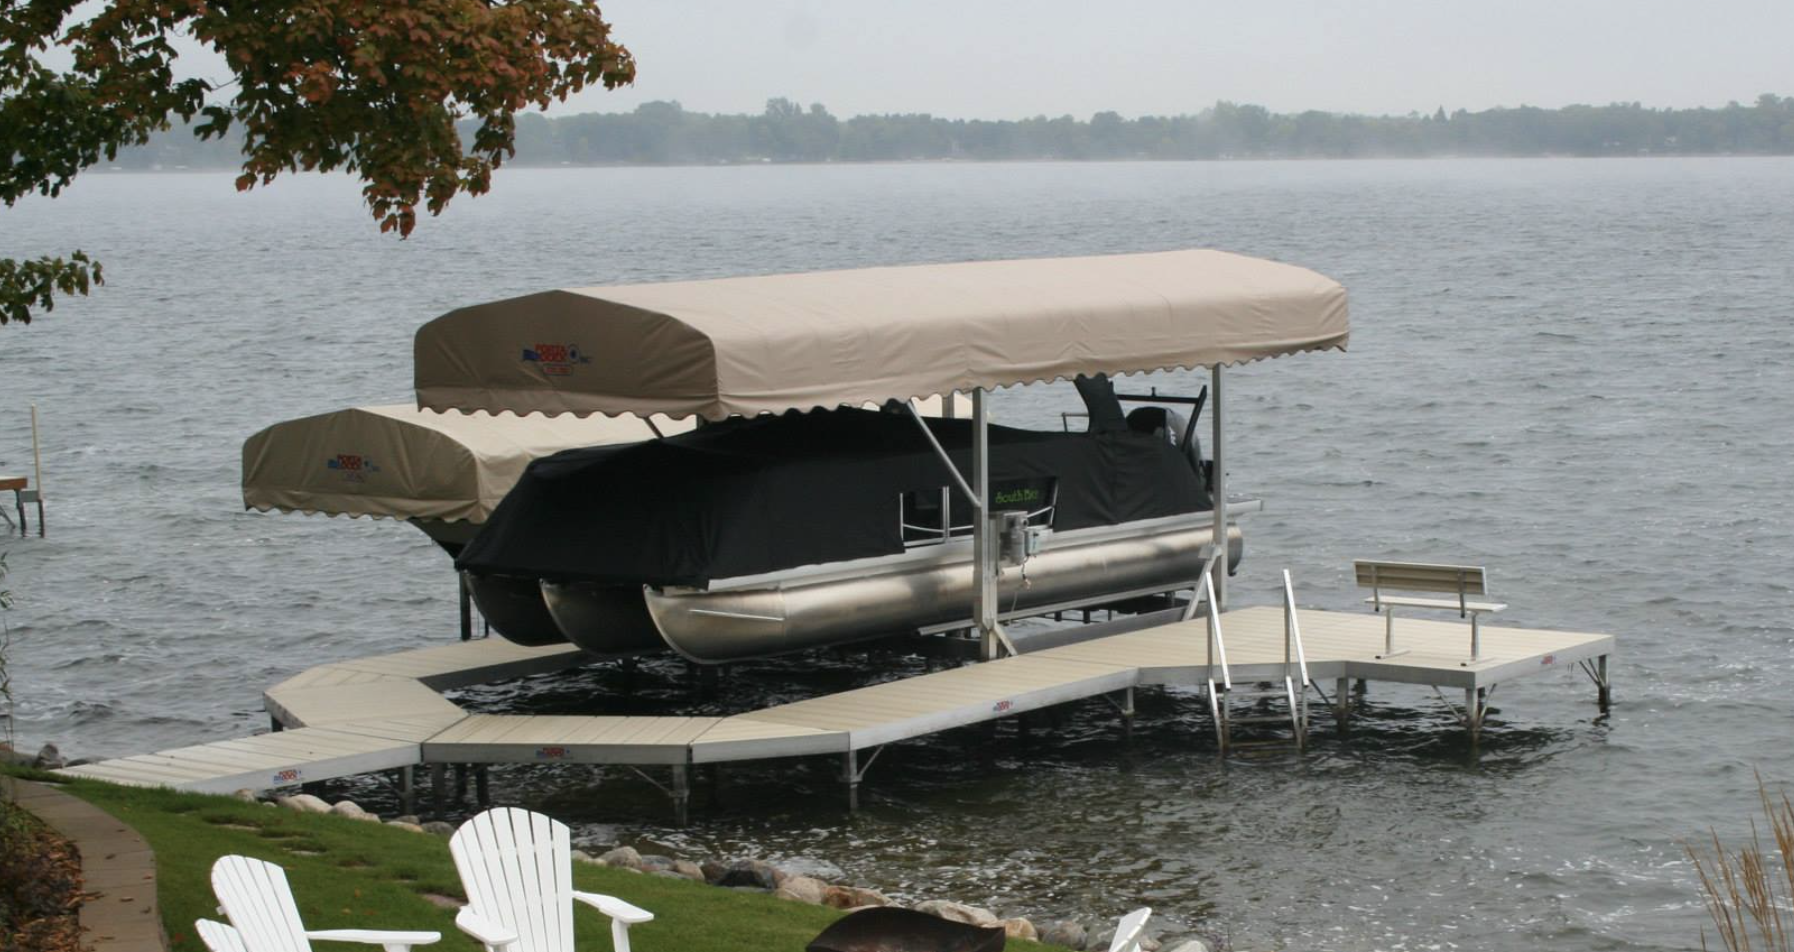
(386, 713)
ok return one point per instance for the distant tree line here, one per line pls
(664, 133)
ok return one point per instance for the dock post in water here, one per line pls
(681, 794)
(37, 473)
(850, 774)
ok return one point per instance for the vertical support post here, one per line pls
(1476, 636)
(1218, 487)
(37, 477)
(407, 790)
(439, 790)
(274, 725)
(681, 794)
(949, 411)
(850, 774)
(1388, 631)
(1342, 703)
(1475, 705)
(466, 608)
(983, 552)
(1603, 687)
(1127, 714)
(482, 786)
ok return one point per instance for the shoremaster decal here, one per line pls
(353, 467)
(556, 360)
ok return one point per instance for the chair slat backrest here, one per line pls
(1127, 933)
(219, 937)
(255, 896)
(517, 868)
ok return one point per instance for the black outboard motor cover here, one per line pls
(1170, 425)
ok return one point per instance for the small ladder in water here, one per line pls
(1272, 703)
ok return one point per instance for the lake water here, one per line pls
(1577, 373)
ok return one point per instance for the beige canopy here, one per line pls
(405, 463)
(799, 341)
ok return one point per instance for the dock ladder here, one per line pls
(1233, 708)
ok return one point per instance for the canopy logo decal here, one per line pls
(556, 360)
(352, 467)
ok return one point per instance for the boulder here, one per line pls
(410, 818)
(439, 828)
(656, 863)
(802, 889)
(748, 872)
(1020, 928)
(49, 758)
(581, 856)
(623, 857)
(958, 912)
(407, 827)
(713, 871)
(1068, 933)
(686, 869)
(1190, 945)
(853, 897)
(304, 803)
(353, 811)
(245, 794)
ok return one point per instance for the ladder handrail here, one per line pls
(1216, 644)
(1292, 630)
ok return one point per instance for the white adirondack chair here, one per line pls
(255, 896)
(219, 937)
(517, 869)
(1128, 932)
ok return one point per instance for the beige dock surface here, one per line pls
(384, 712)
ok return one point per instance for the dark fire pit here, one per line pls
(904, 930)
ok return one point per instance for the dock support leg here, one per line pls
(1342, 703)
(407, 791)
(482, 786)
(461, 772)
(1604, 688)
(439, 790)
(681, 794)
(274, 725)
(1476, 704)
(850, 774)
(1127, 715)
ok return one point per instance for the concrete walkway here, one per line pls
(117, 868)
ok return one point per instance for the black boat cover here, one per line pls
(748, 496)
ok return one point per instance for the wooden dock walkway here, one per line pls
(384, 712)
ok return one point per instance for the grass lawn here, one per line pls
(354, 874)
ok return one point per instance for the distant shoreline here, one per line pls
(1225, 160)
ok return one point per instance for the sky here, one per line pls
(1007, 59)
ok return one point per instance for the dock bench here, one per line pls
(1459, 581)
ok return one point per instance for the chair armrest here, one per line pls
(615, 908)
(485, 930)
(390, 940)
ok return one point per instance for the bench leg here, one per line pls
(1389, 634)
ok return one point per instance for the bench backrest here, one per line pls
(1460, 580)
